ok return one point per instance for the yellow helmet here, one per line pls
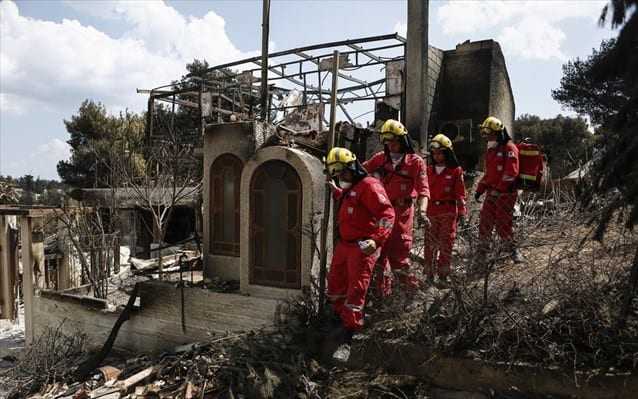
(491, 124)
(392, 129)
(440, 140)
(338, 159)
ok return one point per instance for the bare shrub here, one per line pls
(46, 361)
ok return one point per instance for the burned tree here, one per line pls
(169, 175)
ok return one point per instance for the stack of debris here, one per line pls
(279, 363)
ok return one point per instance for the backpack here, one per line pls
(531, 159)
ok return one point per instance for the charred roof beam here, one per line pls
(392, 36)
(341, 75)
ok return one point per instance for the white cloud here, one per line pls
(11, 103)
(60, 64)
(43, 160)
(529, 29)
(533, 39)
(55, 148)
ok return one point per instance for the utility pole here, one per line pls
(417, 108)
(328, 196)
(265, 28)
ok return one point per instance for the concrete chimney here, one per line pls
(417, 114)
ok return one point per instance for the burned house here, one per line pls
(263, 182)
(133, 219)
(263, 197)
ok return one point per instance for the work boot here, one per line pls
(342, 353)
(517, 256)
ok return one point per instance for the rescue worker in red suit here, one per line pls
(404, 177)
(445, 208)
(499, 186)
(365, 220)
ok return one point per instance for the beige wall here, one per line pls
(157, 325)
(227, 138)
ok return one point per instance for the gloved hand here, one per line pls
(331, 185)
(423, 219)
(477, 195)
(367, 246)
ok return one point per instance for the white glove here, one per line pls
(367, 246)
(332, 185)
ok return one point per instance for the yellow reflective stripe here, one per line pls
(529, 152)
(527, 177)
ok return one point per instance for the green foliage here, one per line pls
(565, 140)
(8, 194)
(581, 91)
(97, 140)
(27, 190)
(605, 87)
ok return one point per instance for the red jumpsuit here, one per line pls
(403, 183)
(501, 170)
(447, 202)
(365, 213)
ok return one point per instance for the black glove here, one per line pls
(477, 195)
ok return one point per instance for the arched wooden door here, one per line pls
(224, 191)
(275, 226)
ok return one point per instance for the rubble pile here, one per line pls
(278, 363)
(44, 362)
(559, 310)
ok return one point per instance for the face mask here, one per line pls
(491, 144)
(345, 185)
(396, 156)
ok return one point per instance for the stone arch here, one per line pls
(310, 173)
(275, 225)
(233, 139)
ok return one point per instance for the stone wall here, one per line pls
(310, 171)
(156, 325)
(474, 83)
(501, 97)
(524, 381)
(435, 63)
(226, 138)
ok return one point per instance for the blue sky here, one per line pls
(54, 54)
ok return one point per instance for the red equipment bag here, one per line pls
(530, 158)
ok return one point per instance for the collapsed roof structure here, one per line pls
(464, 85)
(296, 78)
